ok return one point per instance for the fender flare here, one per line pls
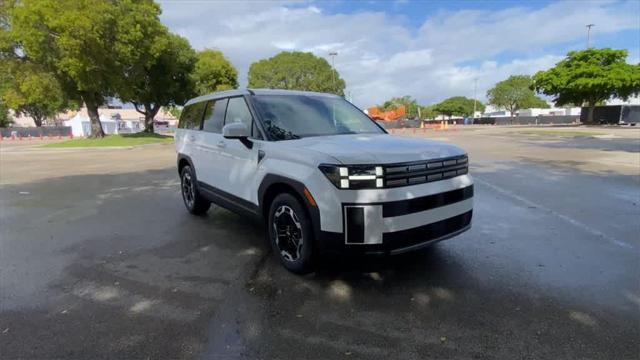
(182, 157)
(298, 187)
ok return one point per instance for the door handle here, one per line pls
(192, 138)
(221, 144)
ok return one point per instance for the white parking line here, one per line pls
(572, 221)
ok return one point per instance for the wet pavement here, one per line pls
(109, 265)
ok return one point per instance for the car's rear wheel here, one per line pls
(290, 232)
(193, 201)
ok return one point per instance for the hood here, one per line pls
(376, 148)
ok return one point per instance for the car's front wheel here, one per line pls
(193, 201)
(290, 232)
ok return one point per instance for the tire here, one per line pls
(193, 200)
(289, 222)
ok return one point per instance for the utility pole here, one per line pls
(333, 69)
(475, 87)
(589, 26)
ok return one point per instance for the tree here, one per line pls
(588, 77)
(161, 77)
(87, 44)
(175, 111)
(32, 92)
(5, 117)
(410, 105)
(459, 106)
(213, 72)
(296, 71)
(515, 93)
(7, 45)
(535, 102)
(428, 112)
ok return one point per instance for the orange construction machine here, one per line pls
(377, 114)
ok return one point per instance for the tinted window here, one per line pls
(295, 116)
(191, 116)
(214, 116)
(237, 111)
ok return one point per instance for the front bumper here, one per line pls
(399, 242)
(425, 215)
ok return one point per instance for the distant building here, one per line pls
(126, 119)
(549, 112)
(495, 112)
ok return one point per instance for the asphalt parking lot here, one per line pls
(99, 259)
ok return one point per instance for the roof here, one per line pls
(239, 92)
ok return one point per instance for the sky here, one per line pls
(430, 50)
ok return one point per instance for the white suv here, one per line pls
(320, 173)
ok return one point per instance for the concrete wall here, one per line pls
(529, 120)
(45, 131)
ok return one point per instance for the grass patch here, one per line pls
(113, 140)
(563, 133)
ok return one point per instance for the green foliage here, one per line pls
(88, 45)
(296, 71)
(74, 39)
(535, 102)
(161, 76)
(428, 112)
(5, 117)
(589, 76)
(457, 106)
(213, 72)
(32, 92)
(410, 105)
(515, 93)
(175, 111)
(7, 44)
(114, 140)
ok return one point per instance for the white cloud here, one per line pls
(380, 56)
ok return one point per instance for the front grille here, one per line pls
(429, 202)
(425, 171)
(410, 237)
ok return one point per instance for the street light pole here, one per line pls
(333, 69)
(589, 26)
(475, 87)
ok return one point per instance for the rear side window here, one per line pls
(192, 116)
(214, 116)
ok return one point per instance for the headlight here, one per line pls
(354, 176)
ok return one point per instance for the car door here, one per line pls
(240, 162)
(211, 168)
(188, 134)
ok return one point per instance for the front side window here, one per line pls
(214, 116)
(288, 117)
(237, 111)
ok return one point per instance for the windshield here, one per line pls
(288, 117)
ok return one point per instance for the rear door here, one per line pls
(188, 133)
(211, 170)
(240, 162)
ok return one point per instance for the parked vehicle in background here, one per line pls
(322, 175)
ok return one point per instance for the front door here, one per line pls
(239, 161)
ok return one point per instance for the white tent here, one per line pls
(81, 126)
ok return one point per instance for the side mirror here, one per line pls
(238, 131)
(235, 131)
